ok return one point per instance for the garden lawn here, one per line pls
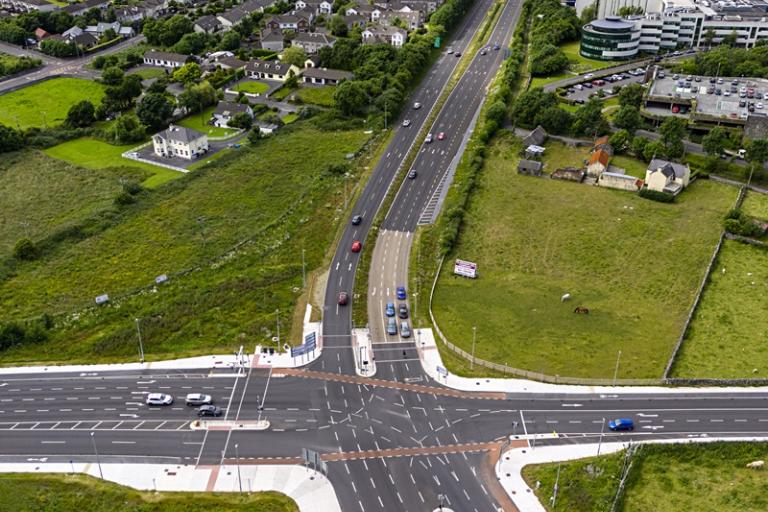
(252, 87)
(633, 262)
(46, 102)
(76, 493)
(199, 122)
(662, 478)
(729, 333)
(632, 166)
(322, 96)
(95, 154)
(40, 196)
(271, 200)
(148, 72)
(289, 118)
(756, 205)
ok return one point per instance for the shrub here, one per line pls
(25, 249)
(655, 195)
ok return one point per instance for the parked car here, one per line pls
(621, 424)
(390, 311)
(356, 220)
(402, 310)
(356, 246)
(343, 298)
(198, 399)
(209, 410)
(401, 295)
(159, 399)
(391, 326)
(675, 109)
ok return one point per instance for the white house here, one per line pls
(317, 6)
(225, 111)
(270, 70)
(324, 76)
(165, 59)
(181, 142)
(669, 177)
(388, 35)
(311, 42)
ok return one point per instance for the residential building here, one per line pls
(101, 28)
(598, 163)
(354, 20)
(272, 40)
(317, 6)
(363, 10)
(41, 34)
(407, 16)
(231, 17)
(129, 15)
(251, 6)
(536, 138)
(530, 167)
(207, 24)
(230, 63)
(311, 42)
(85, 40)
(181, 142)
(312, 61)
(270, 70)
(295, 21)
(668, 177)
(325, 76)
(225, 111)
(387, 35)
(265, 128)
(165, 59)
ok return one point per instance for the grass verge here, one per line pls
(46, 103)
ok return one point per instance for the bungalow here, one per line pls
(84, 40)
(392, 36)
(668, 177)
(325, 76)
(598, 163)
(569, 174)
(270, 70)
(536, 138)
(363, 10)
(311, 42)
(354, 20)
(83, 7)
(231, 17)
(101, 28)
(293, 21)
(207, 24)
(165, 59)
(265, 128)
(272, 40)
(620, 181)
(71, 32)
(230, 63)
(178, 141)
(225, 111)
(530, 167)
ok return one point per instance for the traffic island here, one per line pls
(229, 425)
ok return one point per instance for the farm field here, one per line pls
(95, 154)
(215, 295)
(708, 476)
(46, 103)
(729, 331)
(537, 239)
(40, 196)
(76, 493)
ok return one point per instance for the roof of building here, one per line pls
(602, 141)
(255, 5)
(208, 22)
(328, 74)
(85, 39)
(169, 56)
(314, 59)
(84, 6)
(378, 30)
(537, 136)
(312, 37)
(267, 66)
(233, 15)
(619, 176)
(668, 169)
(226, 108)
(530, 165)
(231, 62)
(180, 134)
(601, 156)
(611, 23)
(271, 36)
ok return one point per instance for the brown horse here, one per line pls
(581, 311)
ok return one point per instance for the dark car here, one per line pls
(343, 298)
(621, 424)
(412, 174)
(496, 47)
(402, 311)
(357, 219)
(209, 410)
(458, 54)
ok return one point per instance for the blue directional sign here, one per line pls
(309, 345)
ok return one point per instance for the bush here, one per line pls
(25, 249)
(739, 223)
(654, 195)
(123, 198)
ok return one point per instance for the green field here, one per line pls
(275, 194)
(756, 205)
(40, 196)
(148, 72)
(94, 154)
(663, 478)
(78, 493)
(251, 87)
(537, 239)
(289, 118)
(727, 335)
(46, 103)
(322, 96)
(199, 122)
(578, 65)
(632, 166)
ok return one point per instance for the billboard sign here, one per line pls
(465, 268)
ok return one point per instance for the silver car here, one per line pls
(198, 399)
(405, 330)
(159, 399)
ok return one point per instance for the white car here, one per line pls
(589, 75)
(449, 51)
(159, 399)
(416, 106)
(428, 138)
(198, 399)
(759, 105)
(406, 122)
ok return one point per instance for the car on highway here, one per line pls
(416, 105)
(402, 310)
(159, 399)
(401, 295)
(390, 311)
(483, 51)
(449, 51)
(405, 330)
(406, 122)
(621, 424)
(428, 138)
(441, 136)
(343, 298)
(209, 410)
(357, 219)
(392, 326)
(357, 246)
(496, 47)
(457, 54)
(198, 399)
(412, 174)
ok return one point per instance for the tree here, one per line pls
(628, 118)
(196, 97)
(188, 73)
(81, 114)
(548, 59)
(730, 39)
(554, 120)
(589, 120)
(127, 129)
(193, 42)
(630, 10)
(638, 146)
(292, 82)
(229, 41)
(25, 249)
(120, 97)
(631, 95)
(673, 131)
(709, 37)
(255, 135)
(496, 112)
(241, 120)
(294, 55)
(655, 149)
(350, 97)
(530, 103)
(112, 76)
(154, 111)
(338, 26)
(174, 29)
(10, 139)
(589, 13)
(714, 142)
(757, 155)
(57, 48)
(108, 35)
(620, 140)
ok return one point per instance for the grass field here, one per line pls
(199, 122)
(95, 154)
(632, 166)
(76, 493)
(663, 478)
(537, 239)
(252, 87)
(40, 196)
(756, 205)
(578, 64)
(275, 194)
(322, 96)
(729, 332)
(46, 103)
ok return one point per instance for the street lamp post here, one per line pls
(474, 339)
(554, 492)
(237, 459)
(141, 345)
(98, 461)
(303, 271)
(616, 370)
(277, 322)
(602, 432)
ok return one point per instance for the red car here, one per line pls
(356, 246)
(343, 298)
(675, 109)
(440, 136)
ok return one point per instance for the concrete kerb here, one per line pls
(310, 489)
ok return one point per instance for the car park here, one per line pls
(209, 410)
(159, 399)
(343, 298)
(406, 122)
(391, 326)
(412, 174)
(428, 138)
(402, 310)
(356, 220)
(198, 399)
(401, 295)
(405, 330)
(356, 246)
(390, 310)
(621, 424)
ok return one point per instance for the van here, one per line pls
(391, 326)
(405, 330)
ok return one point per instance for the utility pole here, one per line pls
(141, 345)
(98, 462)
(602, 432)
(277, 321)
(616, 370)
(474, 339)
(237, 459)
